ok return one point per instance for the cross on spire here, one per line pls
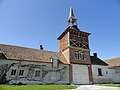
(72, 19)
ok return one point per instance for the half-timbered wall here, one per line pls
(79, 39)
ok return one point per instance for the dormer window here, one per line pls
(79, 55)
(55, 61)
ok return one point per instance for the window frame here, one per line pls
(79, 55)
(37, 73)
(21, 72)
(100, 72)
(13, 72)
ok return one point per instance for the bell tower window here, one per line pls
(79, 55)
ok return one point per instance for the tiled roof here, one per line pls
(29, 54)
(97, 61)
(74, 27)
(113, 62)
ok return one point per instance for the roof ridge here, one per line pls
(13, 52)
(112, 58)
(26, 48)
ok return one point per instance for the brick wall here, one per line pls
(64, 42)
(73, 60)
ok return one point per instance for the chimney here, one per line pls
(41, 47)
(95, 55)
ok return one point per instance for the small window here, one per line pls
(99, 72)
(13, 72)
(37, 73)
(21, 72)
(106, 72)
(79, 55)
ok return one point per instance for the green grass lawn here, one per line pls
(36, 87)
(111, 85)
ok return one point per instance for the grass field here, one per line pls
(36, 87)
(111, 85)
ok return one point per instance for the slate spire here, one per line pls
(72, 19)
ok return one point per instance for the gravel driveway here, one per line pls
(95, 87)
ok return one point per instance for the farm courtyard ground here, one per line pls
(99, 87)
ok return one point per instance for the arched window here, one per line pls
(79, 55)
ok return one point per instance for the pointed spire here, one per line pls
(72, 19)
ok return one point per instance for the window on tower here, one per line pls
(79, 55)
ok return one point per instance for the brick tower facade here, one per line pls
(74, 45)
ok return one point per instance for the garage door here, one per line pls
(80, 74)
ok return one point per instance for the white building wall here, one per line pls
(48, 74)
(105, 78)
(114, 73)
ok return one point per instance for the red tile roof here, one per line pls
(113, 61)
(29, 54)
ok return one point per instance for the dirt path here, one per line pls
(95, 87)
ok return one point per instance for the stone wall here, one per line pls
(33, 72)
(64, 43)
(104, 78)
(114, 74)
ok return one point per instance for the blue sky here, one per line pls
(29, 23)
